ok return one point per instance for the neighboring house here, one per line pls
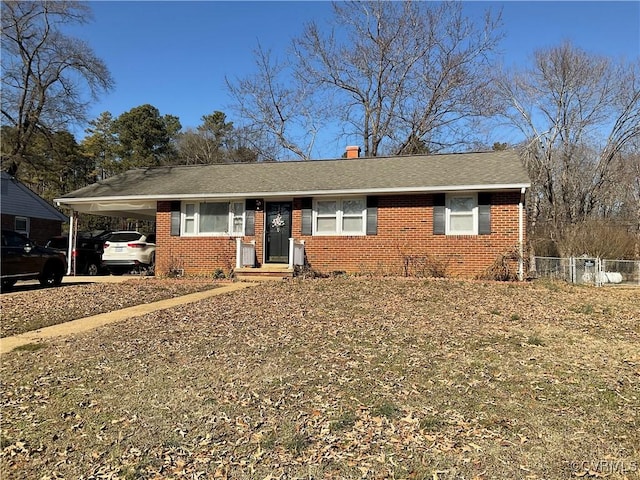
(359, 215)
(27, 213)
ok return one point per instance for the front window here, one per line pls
(213, 218)
(189, 217)
(327, 216)
(342, 216)
(462, 215)
(237, 212)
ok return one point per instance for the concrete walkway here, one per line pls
(7, 344)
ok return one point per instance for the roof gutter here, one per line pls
(298, 193)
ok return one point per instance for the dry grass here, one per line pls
(339, 378)
(24, 311)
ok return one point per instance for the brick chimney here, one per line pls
(353, 151)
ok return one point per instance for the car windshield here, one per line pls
(124, 237)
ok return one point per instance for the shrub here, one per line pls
(503, 269)
(219, 274)
(424, 266)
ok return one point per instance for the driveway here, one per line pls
(69, 280)
(98, 278)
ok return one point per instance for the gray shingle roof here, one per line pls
(17, 199)
(419, 173)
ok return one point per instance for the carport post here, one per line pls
(521, 234)
(70, 242)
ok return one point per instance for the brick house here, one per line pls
(25, 212)
(379, 215)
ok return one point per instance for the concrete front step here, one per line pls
(259, 278)
(264, 272)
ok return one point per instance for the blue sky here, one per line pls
(175, 55)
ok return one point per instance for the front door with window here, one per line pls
(277, 232)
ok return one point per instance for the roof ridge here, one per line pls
(322, 160)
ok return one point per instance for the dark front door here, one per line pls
(277, 232)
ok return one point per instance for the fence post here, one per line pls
(572, 269)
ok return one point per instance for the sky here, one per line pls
(175, 55)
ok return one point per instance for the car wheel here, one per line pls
(52, 276)
(92, 269)
(7, 284)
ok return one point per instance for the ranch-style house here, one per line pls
(356, 215)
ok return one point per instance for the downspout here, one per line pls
(521, 235)
(70, 243)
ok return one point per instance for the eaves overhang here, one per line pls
(142, 199)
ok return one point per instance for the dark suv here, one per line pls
(22, 259)
(87, 254)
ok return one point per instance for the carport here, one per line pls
(141, 209)
(133, 194)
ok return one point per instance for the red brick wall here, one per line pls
(196, 255)
(405, 228)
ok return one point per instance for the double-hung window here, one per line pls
(237, 218)
(340, 216)
(462, 214)
(213, 218)
(326, 217)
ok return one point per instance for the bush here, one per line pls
(424, 266)
(218, 274)
(503, 269)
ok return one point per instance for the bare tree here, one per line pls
(581, 116)
(402, 76)
(629, 191)
(45, 74)
(275, 109)
(405, 73)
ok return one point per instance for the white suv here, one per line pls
(127, 251)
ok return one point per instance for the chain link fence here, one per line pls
(587, 271)
(620, 271)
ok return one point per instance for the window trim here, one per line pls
(26, 222)
(196, 218)
(449, 214)
(339, 217)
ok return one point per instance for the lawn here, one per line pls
(339, 378)
(31, 309)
